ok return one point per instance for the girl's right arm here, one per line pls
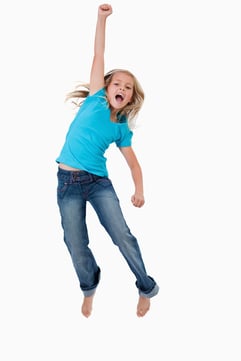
(97, 69)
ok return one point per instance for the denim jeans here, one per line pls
(75, 189)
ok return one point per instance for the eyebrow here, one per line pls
(125, 83)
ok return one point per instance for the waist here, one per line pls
(66, 167)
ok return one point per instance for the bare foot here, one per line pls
(87, 306)
(143, 306)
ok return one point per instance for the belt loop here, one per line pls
(95, 177)
(74, 176)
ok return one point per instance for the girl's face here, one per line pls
(120, 90)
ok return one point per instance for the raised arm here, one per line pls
(97, 69)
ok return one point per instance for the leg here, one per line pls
(72, 208)
(107, 207)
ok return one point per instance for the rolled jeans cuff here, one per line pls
(89, 293)
(151, 294)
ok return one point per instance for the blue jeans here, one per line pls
(75, 189)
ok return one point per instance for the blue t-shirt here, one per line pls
(91, 133)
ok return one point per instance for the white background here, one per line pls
(186, 55)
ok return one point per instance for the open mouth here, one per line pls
(119, 98)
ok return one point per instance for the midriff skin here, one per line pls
(66, 167)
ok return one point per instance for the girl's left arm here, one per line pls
(136, 172)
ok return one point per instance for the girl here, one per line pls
(112, 102)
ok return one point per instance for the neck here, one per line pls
(113, 116)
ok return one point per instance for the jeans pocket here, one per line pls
(104, 182)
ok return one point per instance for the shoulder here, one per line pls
(98, 93)
(97, 97)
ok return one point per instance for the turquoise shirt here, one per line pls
(91, 133)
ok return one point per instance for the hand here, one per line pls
(105, 10)
(137, 200)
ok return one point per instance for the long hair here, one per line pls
(130, 111)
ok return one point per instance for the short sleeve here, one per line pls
(125, 139)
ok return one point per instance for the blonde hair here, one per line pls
(130, 111)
